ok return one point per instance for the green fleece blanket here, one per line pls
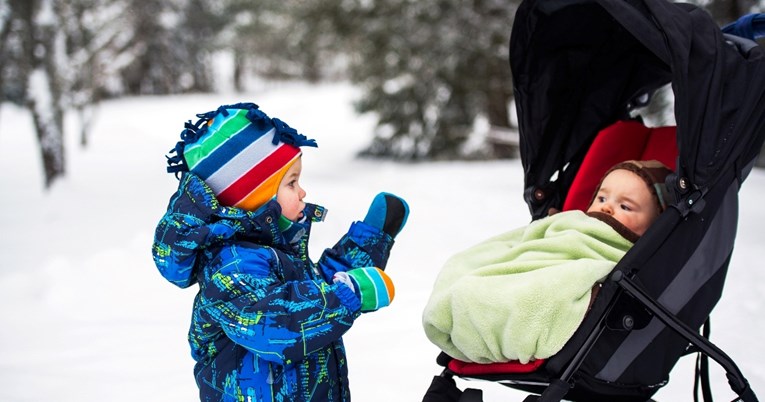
(521, 295)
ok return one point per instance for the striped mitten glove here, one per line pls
(388, 213)
(373, 286)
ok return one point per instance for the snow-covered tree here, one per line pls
(59, 55)
(288, 39)
(43, 54)
(6, 19)
(430, 70)
(92, 29)
(168, 47)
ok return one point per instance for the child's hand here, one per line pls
(373, 286)
(388, 213)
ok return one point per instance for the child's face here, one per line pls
(626, 197)
(290, 195)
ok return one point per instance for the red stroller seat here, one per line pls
(624, 140)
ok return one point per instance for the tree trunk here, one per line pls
(498, 94)
(43, 87)
(503, 144)
(5, 30)
(85, 114)
(239, 68)
(49, 137)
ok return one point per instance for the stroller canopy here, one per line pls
(572, 77)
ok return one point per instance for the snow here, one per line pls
(86, 316)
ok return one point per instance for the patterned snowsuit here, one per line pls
(267, 321)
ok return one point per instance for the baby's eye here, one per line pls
(601, 198)
(626, 207)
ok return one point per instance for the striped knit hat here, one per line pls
(240, 152)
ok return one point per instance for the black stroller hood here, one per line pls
(572, 77)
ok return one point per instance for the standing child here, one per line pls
(267, 321)
(522, 294)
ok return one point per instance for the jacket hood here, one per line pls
(196, 221)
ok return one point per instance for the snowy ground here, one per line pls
(86, 317)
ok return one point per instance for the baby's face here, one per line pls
(626, 197)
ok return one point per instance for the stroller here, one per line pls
(580, 68)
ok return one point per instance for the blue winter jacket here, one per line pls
(267, 322)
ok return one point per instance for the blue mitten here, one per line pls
(387, 213)
(373, 286)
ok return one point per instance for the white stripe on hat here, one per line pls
(242, 163)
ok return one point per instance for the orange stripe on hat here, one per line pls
(266, 190)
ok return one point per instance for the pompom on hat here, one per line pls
(240, 152)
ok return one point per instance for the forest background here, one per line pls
(435, 73)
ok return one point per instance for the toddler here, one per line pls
(267, 321)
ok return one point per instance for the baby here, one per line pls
(522, 294)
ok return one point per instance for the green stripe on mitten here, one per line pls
(373, 286)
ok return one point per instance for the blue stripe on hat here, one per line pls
(228, 150)
(239, 165)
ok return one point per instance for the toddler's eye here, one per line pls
(626, 207)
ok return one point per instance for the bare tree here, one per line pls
(60, 55)
(42, 54)
(429, 70)
(5, 30)
(81, 73)
(95, 53)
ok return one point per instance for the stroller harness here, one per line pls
(579, 67)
